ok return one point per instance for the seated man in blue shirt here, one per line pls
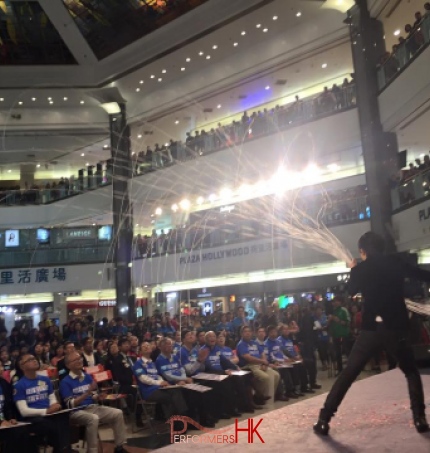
(277, 358)
(177, 344)
(266, 379)
(34, 397)
(79, 389)
(150, 385)
(170, 370)
(300, 375)
(236, 391)
(227, 352)
(191, 357)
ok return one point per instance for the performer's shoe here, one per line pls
(322, 427)
(316, 386)
(421, 424)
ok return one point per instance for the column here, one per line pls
(122, 211)
(379, 148)
(26, 175)
(60, 308)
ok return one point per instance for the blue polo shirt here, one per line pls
(186, 356)
(227, 326)
(288, 345)
(227, 352)
(247, 347)
(34, 391)
(176, 348)
(213, 360)
(74, 387)
(274, 350)
(168, 365)
(147, 368)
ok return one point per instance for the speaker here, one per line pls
(402, 159)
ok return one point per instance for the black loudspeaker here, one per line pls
(81, 179)
(402, 159)
(99, 168)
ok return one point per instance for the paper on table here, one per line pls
(64, 411)
(210, 377)
(18, 425)
(197, 387)
(239, 372)
(285, 365)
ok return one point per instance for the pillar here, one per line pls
(60, 308)
(379, 148)
(26, 175)
(122, 212)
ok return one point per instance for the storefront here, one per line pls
(98, 309)
(26, 315)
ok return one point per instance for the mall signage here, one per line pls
(39, 275)
(233, 252)
(80, 233)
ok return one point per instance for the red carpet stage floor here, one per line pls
(374, 417)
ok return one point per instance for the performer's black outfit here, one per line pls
(380, 280)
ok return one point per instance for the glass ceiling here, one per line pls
(27, 36)
(109, 25)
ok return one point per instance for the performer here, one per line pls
(380, 279)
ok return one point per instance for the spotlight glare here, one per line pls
(185, 204)
(200, 200)
(158, 211)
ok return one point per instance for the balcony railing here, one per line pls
(50, 257)
(234, 134)
(259, 125)
(404, 53)
(411, 191)
(195, 237)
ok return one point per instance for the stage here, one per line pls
(374, 417)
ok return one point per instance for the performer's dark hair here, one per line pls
(371, 243)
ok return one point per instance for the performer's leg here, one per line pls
(399, 345)
(363, 349)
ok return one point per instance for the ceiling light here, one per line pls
(51, 102)
(133, 153)
(137, 90)
(164, 71)
(201, 53)
(105, 146)
(141, 82)
(1, 99)
(174, 207)
(158, 211)
(397, 33)
(139, 136)
(324, 65)
(200, 200)
(83, 155)
(265, 30)
(258, 25)
(38, 166)
(152, 76)
(177, 122)
(160, 79)
(82, 102)
(49, 99)
(182, 69)
(65, 99)
(208, 57)
(33, 99)
(243, 33)
(235, 44)
(268, 87)
(185, 204)
(214, 47)
(188, 60)
(333, 167)
(9, 171)
(87, 164)
(20, 102)
(299, 14)
(218, 106)
(275, 17)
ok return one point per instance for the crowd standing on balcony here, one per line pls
(253, 125)
(342, 206)
(417, 36)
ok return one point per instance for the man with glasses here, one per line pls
(79, 390)
(35, 399)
